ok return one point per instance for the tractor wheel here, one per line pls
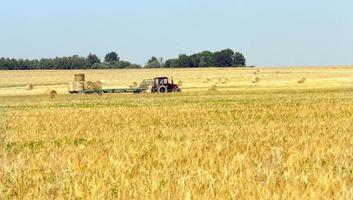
(162, 89)
(177, 90)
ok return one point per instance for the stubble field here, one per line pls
(275, 139)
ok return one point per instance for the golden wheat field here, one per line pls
(279, 137)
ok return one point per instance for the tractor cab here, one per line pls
(161, 81)
(162, 85)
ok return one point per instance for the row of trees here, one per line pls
(111, 61)
(224, 58)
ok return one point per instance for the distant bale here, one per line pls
(212, 88)
(206, 80)
(255, 80)
(257, 71)
(302, 80)
(179, 83)
(217, 81)
(133, 84)
(89, 85)
(97, 85)
(79, 77)
(29, 87)
(51, 93)
(224, 81)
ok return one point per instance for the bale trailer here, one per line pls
(158, 85)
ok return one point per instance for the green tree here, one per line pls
(123, 64)
(93, 59)
(153, 63)
(171, 63)
(111, 58)
(184, 61)
(239, 60)
(223, 58)
(206, 59)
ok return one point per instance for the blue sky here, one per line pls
(269, 33)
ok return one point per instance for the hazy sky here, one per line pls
(268, 32)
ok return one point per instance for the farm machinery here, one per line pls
(162, 85)
(157, 85)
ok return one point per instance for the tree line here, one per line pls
(92, 61)
(224, 58)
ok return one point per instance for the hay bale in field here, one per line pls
(212, 88)
(206, 80)
(179, 83)
(255, 80)
(89, 85)
(302, 80)
(29, 87)
(217, 81)
(257, 71)
(224, 81)
(79, 77)
(76, 86)
(97, 85)
(51, 93)
(133, 84)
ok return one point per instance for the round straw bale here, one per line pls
(29, 87)
(302, 80)
(89, 85)
(179, 83)
(51, 93)
(255, 80)
(97, 85)
(206, 80)
(224, 81)
(133, 84)
(212, 88)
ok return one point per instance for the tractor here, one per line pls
(162, 85)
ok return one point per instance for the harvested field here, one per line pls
(274, 139)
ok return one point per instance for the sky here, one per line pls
(268, 33)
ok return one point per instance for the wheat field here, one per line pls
(274, 139)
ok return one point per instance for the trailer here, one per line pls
(78, 88)
(115, 90)
(157, 85)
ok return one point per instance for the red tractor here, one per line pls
(162, 85)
